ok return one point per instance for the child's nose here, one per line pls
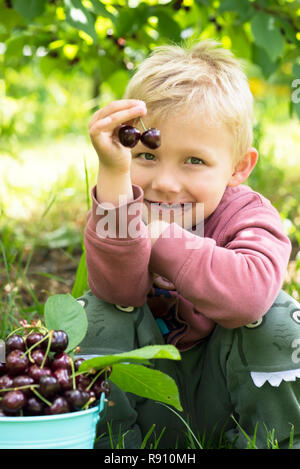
(166, 181)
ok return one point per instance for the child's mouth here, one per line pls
(167, 205)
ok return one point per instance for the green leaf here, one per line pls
(79, 17)
(81, 278)
(29, 9)
(261, 58)
(146, 382)
(242, 7)
(267, 35)
(144, 353)
(63, 312)
(167, 26)
(100, 10)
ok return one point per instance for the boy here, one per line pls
(204, 265)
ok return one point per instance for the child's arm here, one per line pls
(233, 283)
(117, 261)
(118, 266)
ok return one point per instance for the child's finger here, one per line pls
(115, 106)
(110, 122)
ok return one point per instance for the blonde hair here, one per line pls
(202, 75)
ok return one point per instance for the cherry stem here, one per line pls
(48, 348)
(86, 405)
(73, 372)
(16, 388)
(142, 124)
(36, 344)
(95, 379)
(41, 397)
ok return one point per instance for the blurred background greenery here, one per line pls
(62, 59)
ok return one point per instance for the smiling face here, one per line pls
(193, 165)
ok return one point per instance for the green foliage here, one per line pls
(63, 312)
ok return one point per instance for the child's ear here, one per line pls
(243, 168)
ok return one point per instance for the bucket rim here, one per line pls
(39, 418)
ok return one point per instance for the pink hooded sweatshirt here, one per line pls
(230, 276)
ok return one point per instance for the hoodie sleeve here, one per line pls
(118, 250)
(234, 283)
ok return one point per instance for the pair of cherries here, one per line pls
(129, 136)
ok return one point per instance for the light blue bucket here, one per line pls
(74, 430)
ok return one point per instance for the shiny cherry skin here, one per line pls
(36, 372)
(49, 386)
(61, 360)
(33, 338)
(76, 398)
(14, 342)
(129, 136)
(13, 402)
(151, 138)
(16, 362)
(59, 406)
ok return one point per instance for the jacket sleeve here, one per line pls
(235, 283)
(118, 249)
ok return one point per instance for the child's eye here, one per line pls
(194, 160)
(145, 156)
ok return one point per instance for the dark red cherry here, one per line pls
(63, 377)
(34, 406)
(151, 138)
(129, 136)
(16, 362)
(13, 402)
(38, 356)
(82, 381)
(49, 386)
(5, 382)
(23, 380)
(61, 360)
(59, 341)
(14, 342)
(76, 398)
(59, 406)
(77, 363)
(36, 372)
(35, 337)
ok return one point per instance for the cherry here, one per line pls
(76, 398)
(5, 382)
(36, 372)
(23, 380)
(16, 362)
(34, 406)
(129, 136)
(59, 341)
(59, 406)
(151, 138)
(64, 379)
(49, 386)
(13, 402)
(77, 363)
(97, 387)
(82, 381)
(38, 356)
(33, 338)
(14, 342)
(61, 360)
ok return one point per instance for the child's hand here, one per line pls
(103, 130)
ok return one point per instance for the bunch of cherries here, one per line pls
(129, 136)
(40, 378)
